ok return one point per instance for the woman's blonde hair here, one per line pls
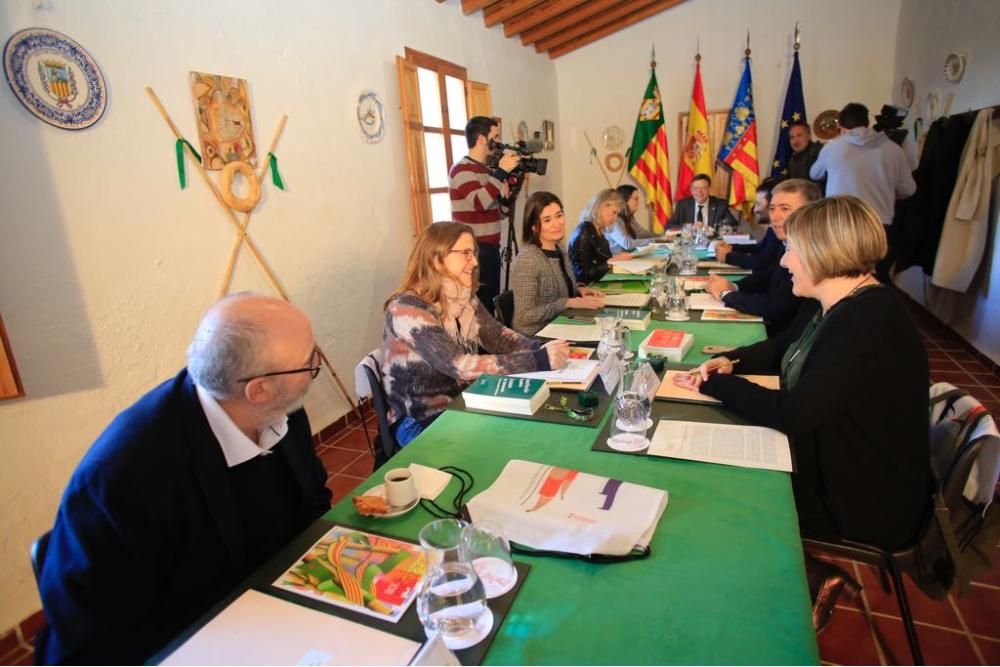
(597, 202)
(837, 237)
(422, 277)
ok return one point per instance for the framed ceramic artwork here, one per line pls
(613, 137)
(954, 67)
(907, 91)
(522, 131)
(549, 134)
(826, 125)
(55, 78)
(371, 117)
(222, 108)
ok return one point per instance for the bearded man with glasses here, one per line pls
(187, 491)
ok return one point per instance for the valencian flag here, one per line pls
(794, 110)
(696, 154)
(739, 143)
(649, 159)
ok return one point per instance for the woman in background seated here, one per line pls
(588, 248)
(626, 233)
(853, 397)
(540, 276)
(434, 327)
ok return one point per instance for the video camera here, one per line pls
(890, 121)
(527, 165)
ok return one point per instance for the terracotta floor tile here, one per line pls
(974, 366)
(939, 647)
(353, 439)
(937, 365)
(342, 485)
(847, 640)
(976, 391)
(954, 377)
(31, 626)
(28, 658)
(362, 466)
(937, 354)
(922, 607)
(8, 643)
(990, 650)
(980, 608)
(993, 576)
(986, 379)
(993, 407)
(334, 459)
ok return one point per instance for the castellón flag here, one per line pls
(696, 155)
(649, 159)
(739, 143)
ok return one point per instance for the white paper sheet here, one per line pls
(577, 332)
(633, 265)
(742, 446)
(259, 629)
(705, 301)
(575, 370)
(430, 482)
(630, 300)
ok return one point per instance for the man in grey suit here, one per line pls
(702, 207)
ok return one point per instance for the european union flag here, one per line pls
(794, 110)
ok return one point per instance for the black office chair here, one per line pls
(37, 552)
(933, 560)
(503, 307)
(381, 404)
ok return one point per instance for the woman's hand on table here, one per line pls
(558, 351)
(589, 291)
(693, 381)
(586, 302)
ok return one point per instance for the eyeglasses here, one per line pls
(466, 254)
(316, 365)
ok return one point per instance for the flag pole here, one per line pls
(797, 40)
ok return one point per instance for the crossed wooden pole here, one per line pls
(242, 235)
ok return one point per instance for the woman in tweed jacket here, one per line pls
(540, 275)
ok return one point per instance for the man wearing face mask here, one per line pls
(187, 491)
(475, 191)
(767, 291)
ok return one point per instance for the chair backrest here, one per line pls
(381, 404)
(37, 552)
(503, 306)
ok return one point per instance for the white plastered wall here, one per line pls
(106, 265)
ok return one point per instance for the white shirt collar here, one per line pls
(236, 446)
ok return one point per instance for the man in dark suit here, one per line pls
(701, 207)
(187, 491)
(767, 291)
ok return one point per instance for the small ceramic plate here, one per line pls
(379, 491)
(55, 78)
(476, 634)
(672, 318)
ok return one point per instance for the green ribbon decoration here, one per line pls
(179, 148)
(275, 175)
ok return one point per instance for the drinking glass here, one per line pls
(624, 335)
(628, 429)
(487, 548)
(677, 306)
(610, 343)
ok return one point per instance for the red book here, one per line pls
(666, 338)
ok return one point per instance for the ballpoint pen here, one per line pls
(696, 371)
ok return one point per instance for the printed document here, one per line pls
(742, 446)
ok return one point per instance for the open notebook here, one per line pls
(668, 391)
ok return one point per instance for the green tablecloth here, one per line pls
(725, 583)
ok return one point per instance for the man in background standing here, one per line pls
(475, 191)
(804, 150)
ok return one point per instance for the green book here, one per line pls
(633, 318)
(498, 393)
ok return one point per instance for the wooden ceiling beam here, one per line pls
(470, 6)
(503, 11)
(616, 13)
(567, 20)
(644, 13)
(537, 15)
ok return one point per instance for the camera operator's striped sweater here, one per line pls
(425, 366)
(474, 190)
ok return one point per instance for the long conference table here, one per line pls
(724, 583)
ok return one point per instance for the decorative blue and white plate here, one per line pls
(55, 78)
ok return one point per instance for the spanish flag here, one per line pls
(739, 143)
(696, 157)
(649, 159)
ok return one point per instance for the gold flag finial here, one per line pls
(697, 50)
(652, 57)
(747, 51)
(797, 39)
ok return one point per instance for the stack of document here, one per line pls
(633, 265)
(705, 301)
(742, 446)
(581, 333)
(577, 374)
(630, 300)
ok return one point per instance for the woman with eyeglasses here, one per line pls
(435, 327)
(626, 234)
(588, 247)
(853, 395)
(540, 276)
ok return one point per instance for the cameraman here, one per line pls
(475, 190)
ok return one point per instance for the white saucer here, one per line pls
(672, 318)
(498, 576)
(477, 634)
(623, 442)
(379, 491)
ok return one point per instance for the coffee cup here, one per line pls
(400, 489)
